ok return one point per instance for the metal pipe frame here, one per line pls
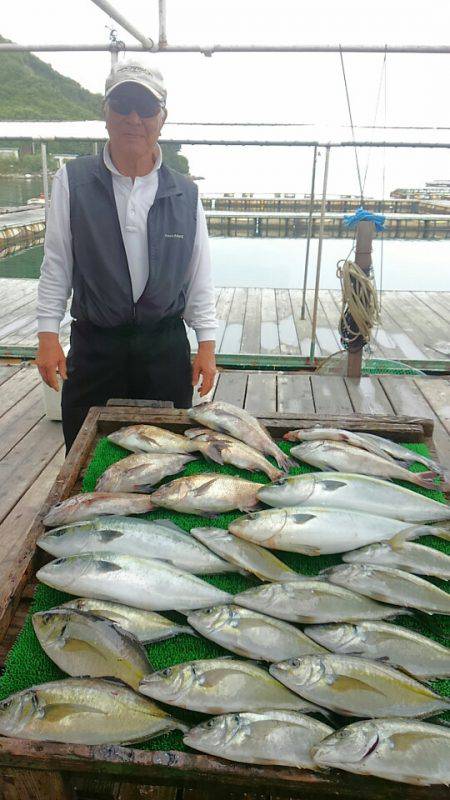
(162, 24)
(310, 219)
(146, 42)
(209, 50)
(319, 255)
(45, 178)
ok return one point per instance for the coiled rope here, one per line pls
(360, 307)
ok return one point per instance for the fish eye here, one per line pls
(294, 662)
(46, 618)
(236, 718)
(167, 672)
(210, 723)
(5, 704)
(208, 610)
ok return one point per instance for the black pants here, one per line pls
(131, 362)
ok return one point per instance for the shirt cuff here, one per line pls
(206, 335)
(48, 325)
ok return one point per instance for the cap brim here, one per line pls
(153, 92)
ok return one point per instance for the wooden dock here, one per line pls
(414, 325)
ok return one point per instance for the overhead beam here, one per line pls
(105, 5)
(147, 44)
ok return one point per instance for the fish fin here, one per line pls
(106, 566)
(143, 488)
(204, 488)
(57, 712)
(300, 518)
(213, 451)
(399, 539)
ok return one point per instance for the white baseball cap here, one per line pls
(135, 72)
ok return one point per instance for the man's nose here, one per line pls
(134, 118)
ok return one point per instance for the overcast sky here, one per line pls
(272, 87)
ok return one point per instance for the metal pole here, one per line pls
(220, 48)
(162, 24)
(319, 256)
(148, 44)
(311, 209)
(114, 58)
(45, 177)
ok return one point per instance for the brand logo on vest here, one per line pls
(174, 235)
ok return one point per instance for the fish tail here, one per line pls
(273, 473)
(283, 460)
(290, 436)
(425, 479)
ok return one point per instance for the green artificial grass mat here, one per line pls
(27, 664)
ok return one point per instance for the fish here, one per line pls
(403, 555)
(250, 634)
(391, 586)
(402, 750)
(346, 458)
(314, 531)
(245, 555)
(147, 626)
(237, 453)
(82, 644)
(160, 539)
(270, 737)
(399, 647)
(358, 492)
(140, 472)
(226, 418)
(151, 439)
(139, 582)
(88, 505)
(83, 711)
(207, 494)
(366, 441)
(313, 601)
(221, 685)
(357, 687)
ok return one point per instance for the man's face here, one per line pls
(134, 119)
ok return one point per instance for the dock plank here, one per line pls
(251, 335)
(302, 326)
(6, 372)
(270, 341)
(231, 388)
(286, 326)
(437, 393)
(232, 337)
(261, 397)
(326, 338)
(330, 395)
(20, 384)
(223, 306)
(23, 416)
(294, 394)
(367, 396)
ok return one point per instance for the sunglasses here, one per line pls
(145, 105)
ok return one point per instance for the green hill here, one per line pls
(30, 89)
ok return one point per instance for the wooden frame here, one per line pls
(21, 758)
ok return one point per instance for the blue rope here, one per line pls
(350, 220)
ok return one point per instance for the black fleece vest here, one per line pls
(102, 292)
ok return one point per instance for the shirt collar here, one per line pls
(109, 163)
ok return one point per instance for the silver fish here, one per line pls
(344, 457)
(404, 750)
(250, 634)
(397, 646)
(207, 493)
(139, 582)
(313, 601)
(147, 626)
(314, 531)
(237, 453)
(245, 555)
(83, 645)
(83, 711)
(391, 586)
(151, 439)
(414, 558)
(134, 537)
(271, 737)
(227, 418)
(140, 472)
(400, 453)
(358, 492)
(88, 505)
(217, 686)
(357, 687)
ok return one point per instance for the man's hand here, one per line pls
(204, 367)
(51, 359)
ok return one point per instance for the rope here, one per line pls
(358, 171)
(359, 310)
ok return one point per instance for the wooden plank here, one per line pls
(406, 398)
(20, 419)
(231, 388)
(367, 396)
(330, 395)
(437, 392)
(261, 395)
(6, 372)
(206, 772)
(294, 394)
(33, 785)
(231, 341)
(251, 335)
(17, 387)
(400, 328)
(286, 327)
(326, 338)
(270, 342)
(421, 326)
(222, 310)
(303, 326)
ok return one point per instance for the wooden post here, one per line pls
(365, 232)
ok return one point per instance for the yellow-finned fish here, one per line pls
(207, 494)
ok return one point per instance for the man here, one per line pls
(128, 235)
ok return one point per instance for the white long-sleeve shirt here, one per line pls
(133, 200)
